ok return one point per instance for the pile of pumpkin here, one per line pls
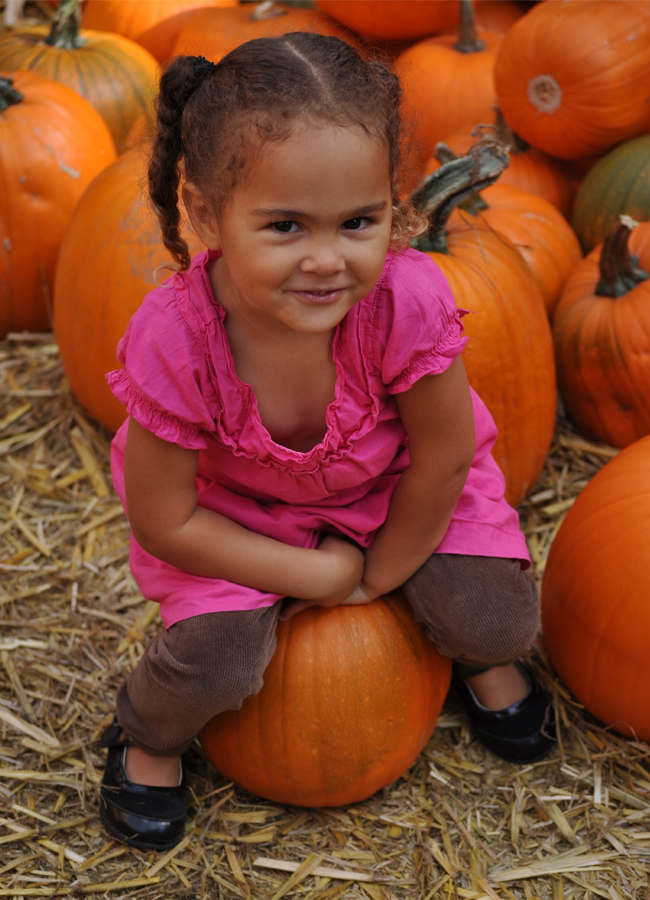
(524, 117)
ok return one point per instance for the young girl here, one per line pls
(300, 429)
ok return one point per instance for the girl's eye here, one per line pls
(356, 224)
(283, 227)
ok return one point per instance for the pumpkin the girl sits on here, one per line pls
(301, 431)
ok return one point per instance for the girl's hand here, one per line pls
(342, 584)
(358, 597)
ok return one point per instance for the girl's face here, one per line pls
(305, 236)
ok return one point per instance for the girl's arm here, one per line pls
(168, 524)
(438, 417)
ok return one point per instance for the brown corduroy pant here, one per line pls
(479, 610)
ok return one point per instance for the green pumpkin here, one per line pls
(618, 184)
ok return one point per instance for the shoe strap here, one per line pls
(114, 736)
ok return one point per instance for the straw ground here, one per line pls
(459, 824)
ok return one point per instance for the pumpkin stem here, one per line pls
(619, 272)
(474, 203)
(266, 10)
(505, 134)
(443, 153)
(452, 184)
(468, 40)
(9, 96)
(64, 33)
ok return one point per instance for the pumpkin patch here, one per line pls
(112, 73)
(353, 694)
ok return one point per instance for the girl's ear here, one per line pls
(201, 215)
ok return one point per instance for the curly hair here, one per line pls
(210, 118)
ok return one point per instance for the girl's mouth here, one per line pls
(330, 296)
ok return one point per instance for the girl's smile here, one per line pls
(305, 236)
(320, 296)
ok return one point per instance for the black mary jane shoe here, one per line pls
(149, 818)
(521, 733)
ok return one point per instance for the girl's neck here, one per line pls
(292, 374)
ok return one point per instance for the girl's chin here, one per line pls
(315, 320)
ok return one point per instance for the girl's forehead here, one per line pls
(318, 157)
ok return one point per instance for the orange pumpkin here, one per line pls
(393, 19)
(573, 78)
(101, 285)
(350, 698)
(509, 358)
(6, 282)
(154, 24)
(595, 594)
(448, 84)
(529, 169)
(602, 338)
(214, 32)
(497, 15)
(113, 74)
(538, 231)
(52, 144)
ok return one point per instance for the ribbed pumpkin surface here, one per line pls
(573, 78)
(540, 233)
(111, 249)
(618, 184)
(595, 594)
(350, 698)
(509, 357)
(52, 144)
(602, 350)
(115, 75)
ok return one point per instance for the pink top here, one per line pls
(178, 380)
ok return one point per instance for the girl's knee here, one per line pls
(481, 610)
(213, 661)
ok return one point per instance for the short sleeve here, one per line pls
(417, 329)
(164, 380)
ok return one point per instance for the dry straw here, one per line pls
(459, 824)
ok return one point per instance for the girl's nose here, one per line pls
(324, 258)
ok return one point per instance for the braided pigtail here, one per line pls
(178, 83)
